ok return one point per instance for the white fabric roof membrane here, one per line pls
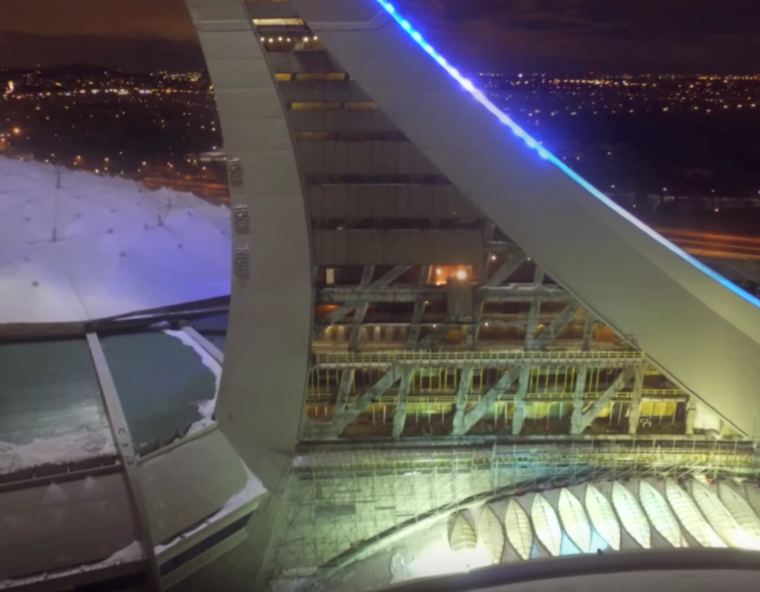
(574, 520)
(546, 523)
(631, 515)
(660, 514)
(752, 491)
(743, 514)
(491, 535)
(519, 530)
(690, 516)
(717, 513)
(599, 518)
(603, 516)
(463, 537)
(76, 246)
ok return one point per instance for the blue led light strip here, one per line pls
(546, 155)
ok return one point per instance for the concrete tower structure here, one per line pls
(443, 350)
(472, 296)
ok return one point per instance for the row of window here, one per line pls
(353, 136)
(311, 76)
(329, 179)
(331, 105)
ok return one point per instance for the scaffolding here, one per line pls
(477, 359)
(342, 505)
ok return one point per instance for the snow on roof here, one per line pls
(76, 247)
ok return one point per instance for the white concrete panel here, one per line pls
(699, 329)
(307, 61)
(366, 120)
(242, 104)
(190, 483)
(319, 91)
(263, 9)
(265, 369)
(398, 247)
(363, 158)
(390, 201)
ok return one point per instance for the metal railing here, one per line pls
(486, 359)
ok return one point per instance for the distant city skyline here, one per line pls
(505, 35)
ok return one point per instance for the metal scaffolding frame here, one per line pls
(343, 505)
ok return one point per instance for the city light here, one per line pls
(520, 133)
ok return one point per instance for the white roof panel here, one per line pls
(546, 523)
(491, 535)
(574, 520)
(76, 247)
(603, 516)
(631, 515)
(690, 516)
(519, 530)
(660, 514)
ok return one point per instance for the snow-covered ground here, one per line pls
(70, 448)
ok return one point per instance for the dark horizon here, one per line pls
(572, 36)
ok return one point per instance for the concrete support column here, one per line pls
(576, 420)
(463, 389)
(125, 450)
(635, 412)
(518, 415)
(691, 416)
(588, 331)
(399, 415)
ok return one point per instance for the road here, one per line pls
(714, 245)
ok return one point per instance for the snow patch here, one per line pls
(129, 554)
(205, 408)
(252, 489)
(69, 448)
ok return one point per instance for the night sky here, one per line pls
(721, 36)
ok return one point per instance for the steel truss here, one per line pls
(344, 505)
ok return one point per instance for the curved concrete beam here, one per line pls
(266, 356)
(700, 329)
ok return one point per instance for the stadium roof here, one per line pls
(77, 247)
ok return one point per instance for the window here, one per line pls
(361, 105)
(314, 106)
(278, 22)
(328, 76)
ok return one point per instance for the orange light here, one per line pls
(17, 130)
(438, 271)
(461, 274)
